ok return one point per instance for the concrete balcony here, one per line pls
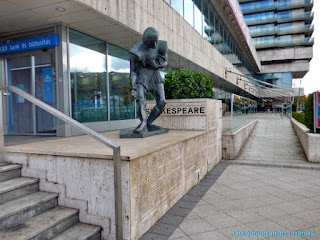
(306, 29)
(306, 16)
(281, 43)
(263, 32)
(256, 8)
(307, 4)
(251, 22)
(280, 55)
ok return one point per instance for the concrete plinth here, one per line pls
(156, 173)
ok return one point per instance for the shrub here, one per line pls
(309, 112)
(181, 84)
(300, 117)
(294, 107)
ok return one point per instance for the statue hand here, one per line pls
(134, 93)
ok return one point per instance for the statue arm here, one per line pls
(134, 68)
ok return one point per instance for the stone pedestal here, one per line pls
(156, 173)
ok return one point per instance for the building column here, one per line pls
(63, 80)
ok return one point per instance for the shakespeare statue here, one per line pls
(146, 58)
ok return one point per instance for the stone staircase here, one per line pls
(27, 213)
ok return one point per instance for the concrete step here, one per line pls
(44, 226)
(15, 212)
(17, 187)
(80, 231)
(9, 171)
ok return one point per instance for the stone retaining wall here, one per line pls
(233, 142)
(310, 142)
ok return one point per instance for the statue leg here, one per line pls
(142, 112)
(158, 94)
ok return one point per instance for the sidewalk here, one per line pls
(270, 189)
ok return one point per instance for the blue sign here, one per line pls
(29, 44)
(47, 85)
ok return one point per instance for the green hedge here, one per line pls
(308, 110)
(300, 117)
(181, 84)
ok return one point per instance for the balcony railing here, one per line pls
(283, 43)
(297, 4)
(305, 16)
(307, 29)
(256, 7)
(263, 32)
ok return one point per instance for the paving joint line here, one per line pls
(273, 165)
(170, 221)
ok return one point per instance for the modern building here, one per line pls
(281, 32)
(73, 54)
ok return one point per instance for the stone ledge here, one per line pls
(310, 142)
(233, 142)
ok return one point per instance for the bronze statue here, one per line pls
(146, 58)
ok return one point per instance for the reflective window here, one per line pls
(284, 26)
(178, 6)
(121, 102)
(188, 11)
(284, 14)
(207, 27)
(203, 17)
(285, 39)
(88, 77)
(259, 16)
(284, 3)
(261, 28)
(258, 4)
(198, 15)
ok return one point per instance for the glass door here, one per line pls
(20, 110)
(33, 74)
(45, 86)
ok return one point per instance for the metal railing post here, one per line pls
(117, 193)
(1, 129)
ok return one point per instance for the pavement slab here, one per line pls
(270, 187)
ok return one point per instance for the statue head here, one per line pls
(150, 37)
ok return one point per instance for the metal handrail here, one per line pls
(88, 131)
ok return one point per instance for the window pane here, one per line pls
(121, 102)
(188, 11)
(88, 78)
(206, 23)
(178, 6)
(198, 15)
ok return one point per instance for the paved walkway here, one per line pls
(270, 189)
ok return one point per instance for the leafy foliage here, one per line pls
(300, 117)
(181, 84)
(308, 110)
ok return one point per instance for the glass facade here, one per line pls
(283, 80)
(202, 16)
(90, 67)
(122, 106)
(88, 78)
